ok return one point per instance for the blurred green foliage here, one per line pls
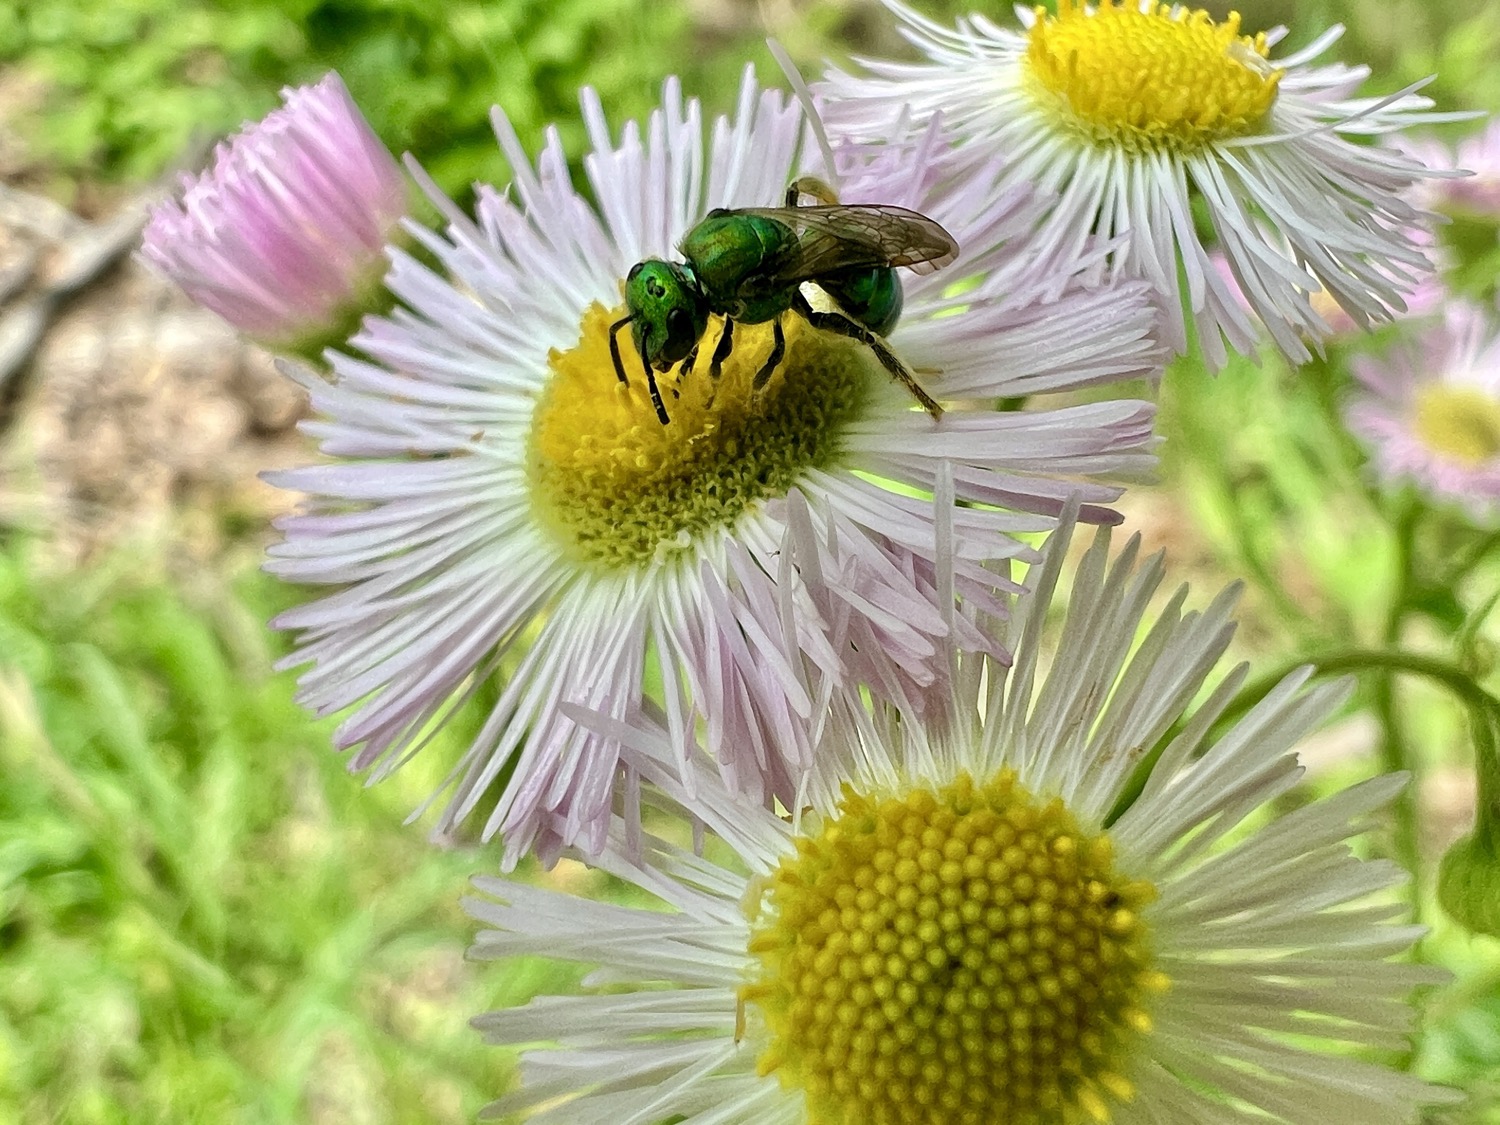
(1262, 483)
(130, 82)
(1404, 41)
(201, 917)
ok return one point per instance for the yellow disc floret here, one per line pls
(963, 955)
(1461, 424)
(617, 488)
(1153, 79)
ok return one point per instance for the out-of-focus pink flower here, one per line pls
(1430, 411)
(1477, 194)
(285, 233)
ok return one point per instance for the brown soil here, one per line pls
(141, 415)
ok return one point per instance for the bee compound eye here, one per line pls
(634, 270)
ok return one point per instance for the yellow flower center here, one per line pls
(1149, 80)
(958, 956)
(616, 487)
(1461, 423)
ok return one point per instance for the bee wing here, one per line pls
(863, 234)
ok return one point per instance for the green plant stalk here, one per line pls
(1393, 755)
(1469, 874)
(1467, 559)
(1487, 781)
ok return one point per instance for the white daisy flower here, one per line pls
(506, 503)
(1133, 111)
(959, 926)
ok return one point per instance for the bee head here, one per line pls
(668, 311)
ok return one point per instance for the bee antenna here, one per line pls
(809, 110)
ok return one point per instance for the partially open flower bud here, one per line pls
(283, 236)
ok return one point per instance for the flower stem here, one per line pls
(1487, 779)
(1471, 556)
(1393, 749)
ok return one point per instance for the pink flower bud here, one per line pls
(284, 234)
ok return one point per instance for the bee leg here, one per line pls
(811, 185)
(688, 361)
(721, 349)
(843, 326)
(661, 410)
(614, 348)
(778, 351)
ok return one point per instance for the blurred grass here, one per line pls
(202, 917)
(127, 84)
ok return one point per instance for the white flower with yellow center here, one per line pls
(959, 926)
(505, 509)
(1430, 411)
(1135, 113)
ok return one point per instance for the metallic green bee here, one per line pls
(749, 265)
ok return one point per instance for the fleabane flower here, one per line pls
(506, 502)
(1133, 111)
(284, 234)
(1429, 411)
(965, 920)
